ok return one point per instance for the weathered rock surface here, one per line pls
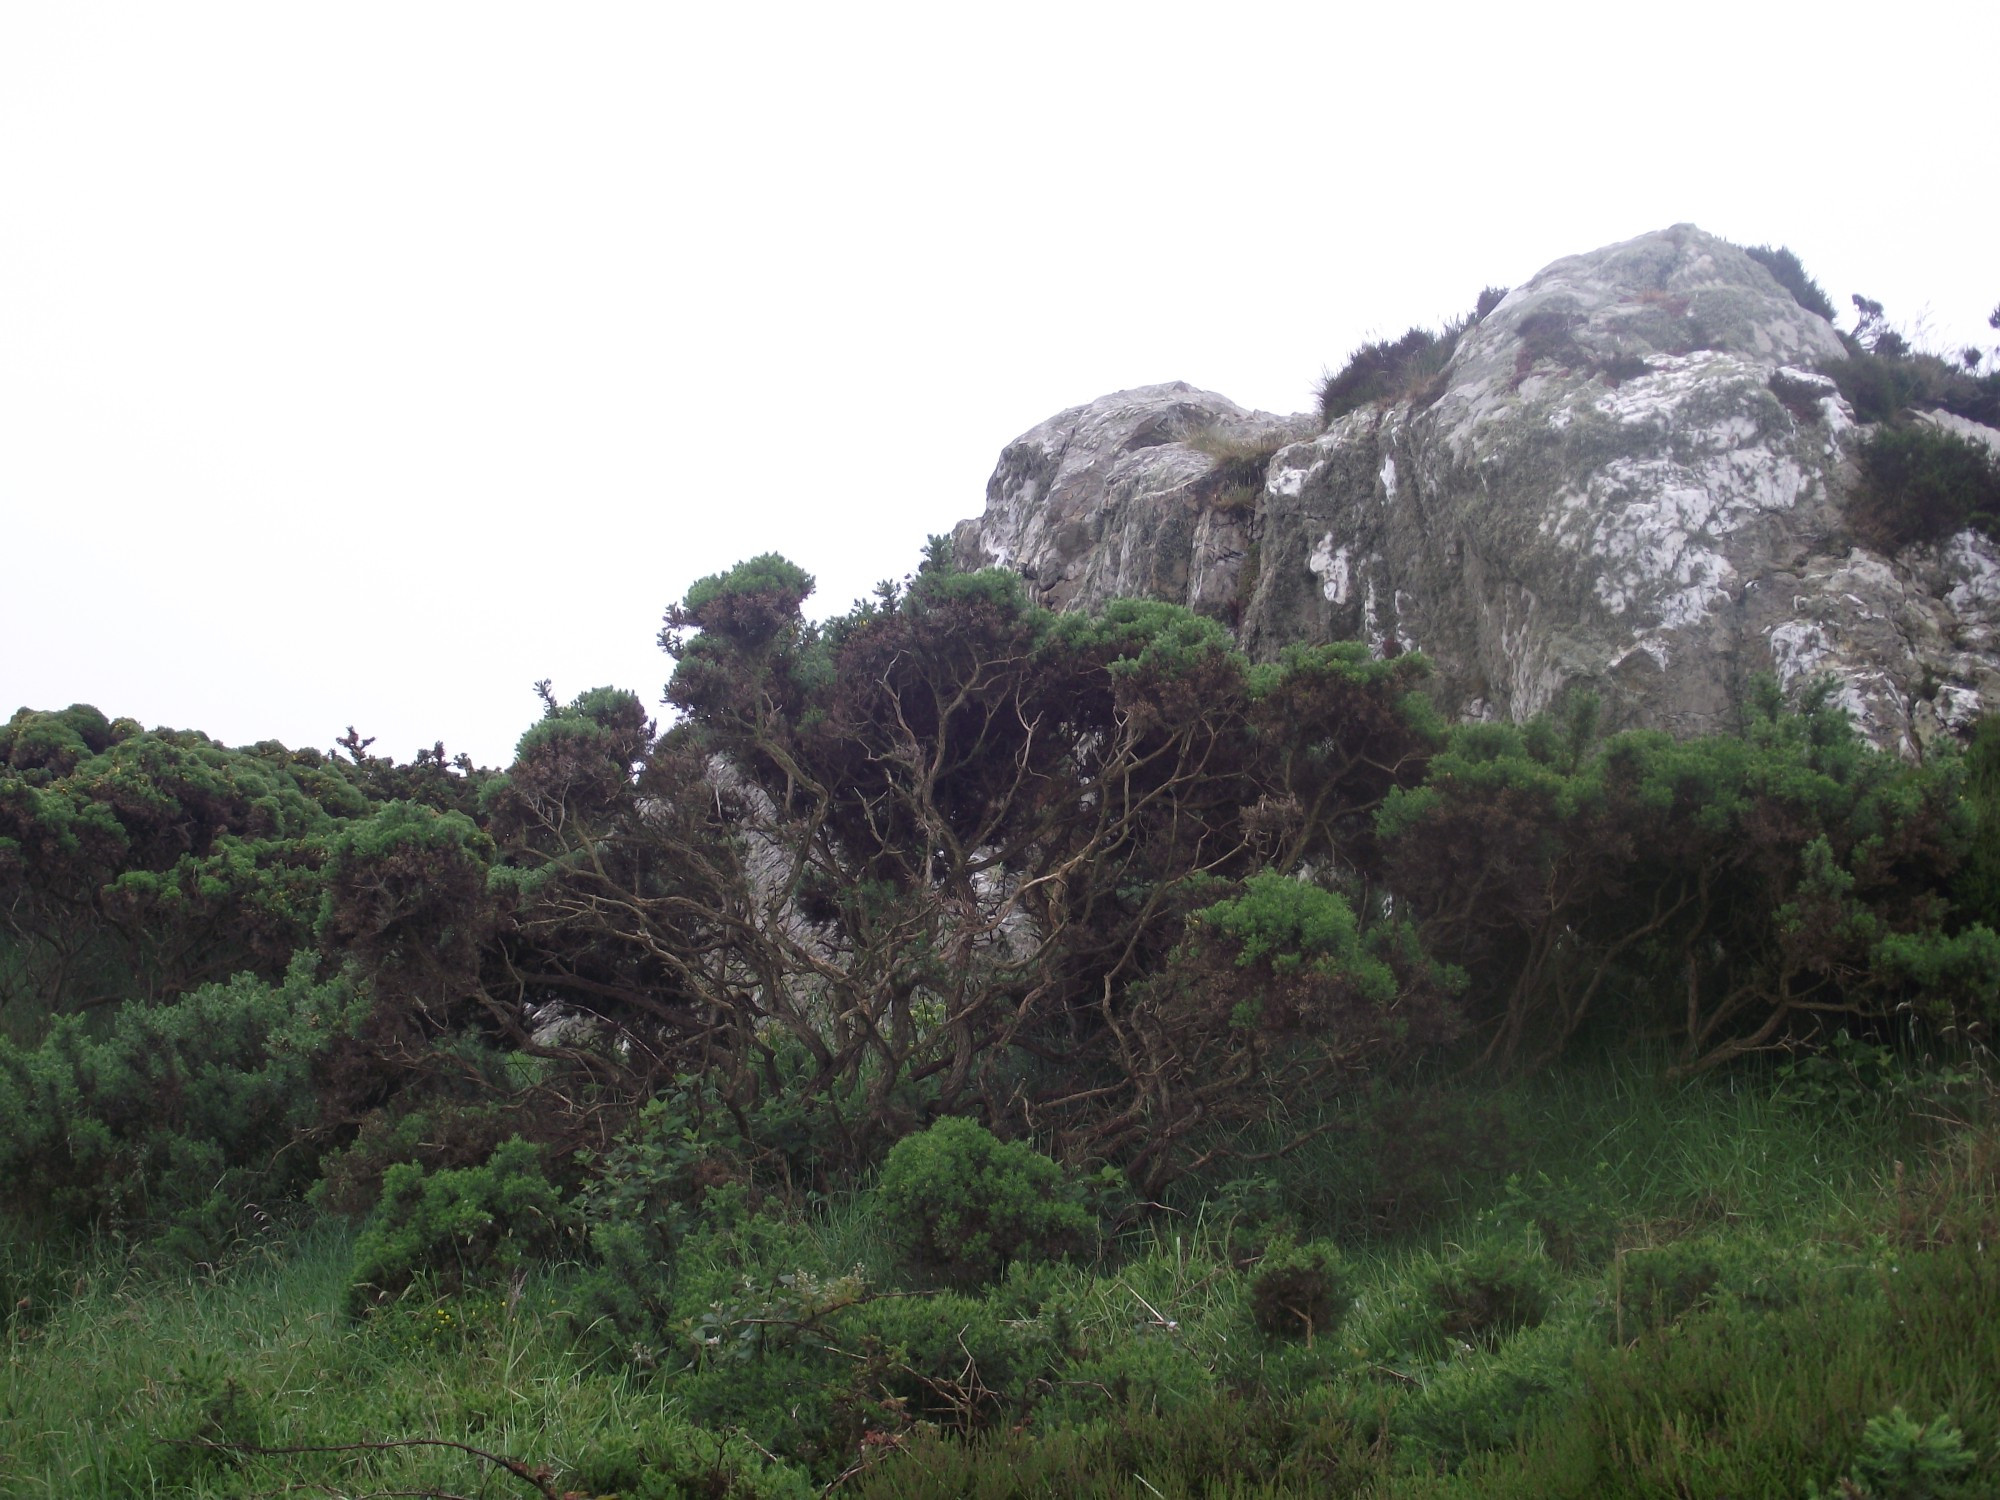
(1632, 480)
(1113, 500)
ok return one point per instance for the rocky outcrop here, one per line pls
(1631, 477)
(1131, 496)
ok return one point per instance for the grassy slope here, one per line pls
(1817, 1288)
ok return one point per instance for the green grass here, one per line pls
(99, 1384)
(1729, 1280)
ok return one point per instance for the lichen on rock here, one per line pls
(1634, 479)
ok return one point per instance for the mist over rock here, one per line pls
(1631, 476)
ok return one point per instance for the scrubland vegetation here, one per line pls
(975, 1051)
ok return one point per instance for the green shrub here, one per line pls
(962, 1203)
(1299, 1292)
(1976, 890)
(1149, 1370)
(1655, 1287)
(454, 1227)
(183, 1114)
(1574, 1217)
(1410, 367)
(1489, 1294)
(1923, 484)
(1881, 387)
(1903, 1459)
(666, 1459)
(954, 1360)
(1791, 275)
(1486, 1402)
(437, 1134)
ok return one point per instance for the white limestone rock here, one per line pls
(1110, 500)
(1633, 480)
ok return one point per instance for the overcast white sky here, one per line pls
(363, 363)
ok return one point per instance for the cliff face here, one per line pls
(1632, 479)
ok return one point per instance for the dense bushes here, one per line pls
(1924, 483)
(138, 864)
(964, 1205)
(457, 1226)
(1733, 890)
(177, 1114)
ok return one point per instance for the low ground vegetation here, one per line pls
(1759, 1294)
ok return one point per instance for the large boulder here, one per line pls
(1631, 477)
(1131, 496)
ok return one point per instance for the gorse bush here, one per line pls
(1904, 1459)
(141, 864)
(1923, 484)
(1790, 274)
(1299, 1292)
(1483, 1297)
(1756, 870)
(458, 1226)
(964, 1204)
(181, 1113)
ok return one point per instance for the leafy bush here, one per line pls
(954, 1360)
(1485, 1402)
(142, 864)
(454, 1227)
(1791, 275)
(1574, 1217)
(963, 1203)
(667, 1459)
(1924, 484)
(1299, 1292)
(1565, 878)
(1976, 891)
(1410, 367)
(1488, 1294)
(1881, 386)
(183, 1112)
(406, 897)
(1904, 1459)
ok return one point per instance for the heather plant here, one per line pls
(1409, 367)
